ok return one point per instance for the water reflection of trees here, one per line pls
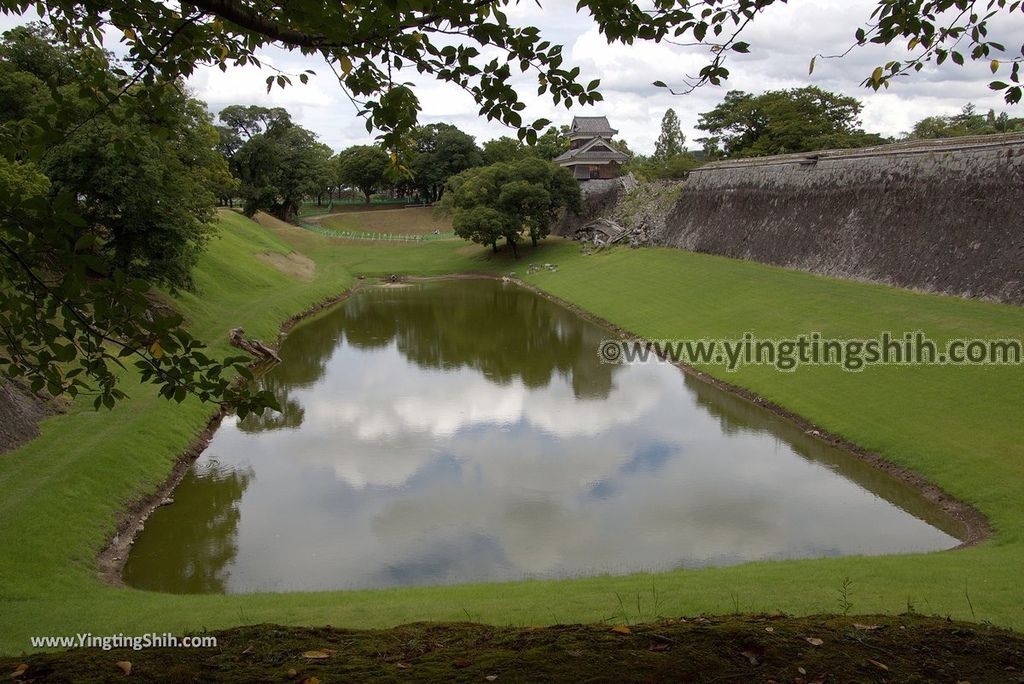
(304, 359)
(502, 331)
(186, 550)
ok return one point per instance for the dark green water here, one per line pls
(466, 431)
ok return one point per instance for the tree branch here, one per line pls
(249, 19)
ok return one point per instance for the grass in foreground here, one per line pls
(961, 427)
(759, 648)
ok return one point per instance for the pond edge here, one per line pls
(111, 559)
(113, 555)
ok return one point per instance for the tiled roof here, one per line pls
(590, 156)
(591, 124)
(585, 154)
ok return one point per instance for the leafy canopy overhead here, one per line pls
(96, 205)
(474, 45)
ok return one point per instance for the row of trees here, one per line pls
(438, 152)
(794, 120)
(967, 122)
(277, 163)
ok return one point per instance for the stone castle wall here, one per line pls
(939, 216)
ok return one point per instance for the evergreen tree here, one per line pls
(671, 141)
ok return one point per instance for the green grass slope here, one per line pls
(959, 426)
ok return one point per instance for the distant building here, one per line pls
(590, 154)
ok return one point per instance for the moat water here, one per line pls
(466, 431)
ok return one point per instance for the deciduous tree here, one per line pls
(509, 200)
(97, 203)
(502, 149)
(364, 167)
(441, 151)
(783, 121)
(279, 163)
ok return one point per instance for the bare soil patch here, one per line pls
(294, 264)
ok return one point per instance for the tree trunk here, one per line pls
(366, 194)
(494, 246)
(515, 251)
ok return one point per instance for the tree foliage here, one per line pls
(277, 161)
(364, 167)
(510, 200)
(369, 47)
(553, 142)
(782, 122)
(441, 151)
(96, 205)
(503, 149)
(671, 142)
(967, 122)
(141, 175)
(675, 167)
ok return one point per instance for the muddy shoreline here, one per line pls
(111, 559)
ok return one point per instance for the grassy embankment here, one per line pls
(414, 221)
(960, 427)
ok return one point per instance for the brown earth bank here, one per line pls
(908, 648)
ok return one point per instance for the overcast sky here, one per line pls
(783, 40)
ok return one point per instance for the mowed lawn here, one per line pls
(411, 221)
(962, 427)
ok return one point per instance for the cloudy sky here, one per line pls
(783, 41)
